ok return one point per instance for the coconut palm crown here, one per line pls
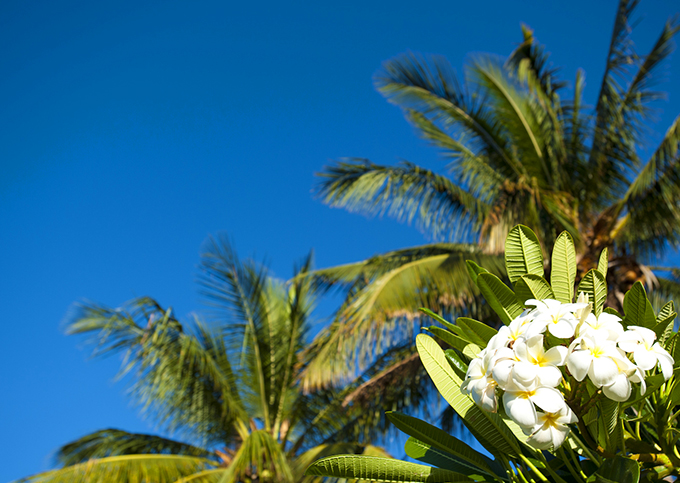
(521, 147)
(228, 390)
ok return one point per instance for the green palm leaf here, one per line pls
(126, 469)
(406, 192)
(114, 442)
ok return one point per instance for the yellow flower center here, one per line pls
(597, 352)
(551, 418)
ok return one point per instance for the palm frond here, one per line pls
(183, 384)
(520, 121)
(612, 150)
(381, 312)
(470, 169)
(531, 65)
(428, 84)
(259, 457)
(406, 192)
(651, 222)
(250, 308)
(115, 442)
(159, 468)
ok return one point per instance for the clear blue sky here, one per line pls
(132, 130)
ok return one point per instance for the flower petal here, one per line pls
(520, 409)
(556, 355)
(548, 399)
(619, 390)
(579, 363)
(644, 358)
(603, 371)
(549, 376)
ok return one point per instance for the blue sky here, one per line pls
(130, 131)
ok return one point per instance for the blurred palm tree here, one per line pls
(229, 390)
(521, 149)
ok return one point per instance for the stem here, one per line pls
(555, 476)
(568, 464)
(533, 468)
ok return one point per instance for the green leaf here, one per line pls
(664, 322)
(439, 439)
(437, 317)
(563, 268)
(472, 351)
(594, 284)
(502, 299)
(617, 470)
(523, 253)
(637, 308)
(441, 459)
(456, 362)
(475, 331)
(603, 262)
(446, 336)
(532, 286)
(161, 468)
(381, 469)
(474, 270)
(488, 428)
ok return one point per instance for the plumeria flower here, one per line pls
(519, 401)
(557, 317)
(508, 334)
(606, 326)
(594, 358)
(646, 352)
(535, 364)
(551, 429)
(620, 389)
(478, 382)
(502, 364)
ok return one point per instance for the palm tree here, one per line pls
(520, 150)
(229, 390)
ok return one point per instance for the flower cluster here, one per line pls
(519, 363)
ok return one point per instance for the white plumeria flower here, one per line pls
(594, 358)
(519, 402)
(606, 326)
(558, 318)
(502, 364)
(479, 384)
(646, 352)
(536, 365)
(508, 334)
(620, 389)
(551, 429)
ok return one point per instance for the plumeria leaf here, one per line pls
(523, 253)
(437, 317)
(595, 286)
(474, 270)
(563, 268)
(475, 331)
(451, 339)
(456, 362)
(381, 469)
(472, 350)
(603, 262)
(439, 439)
(532, 286)
(664, 322)
(617, 469)
(431, 455)
(637, 308)
(489, 429)
(502, 300)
